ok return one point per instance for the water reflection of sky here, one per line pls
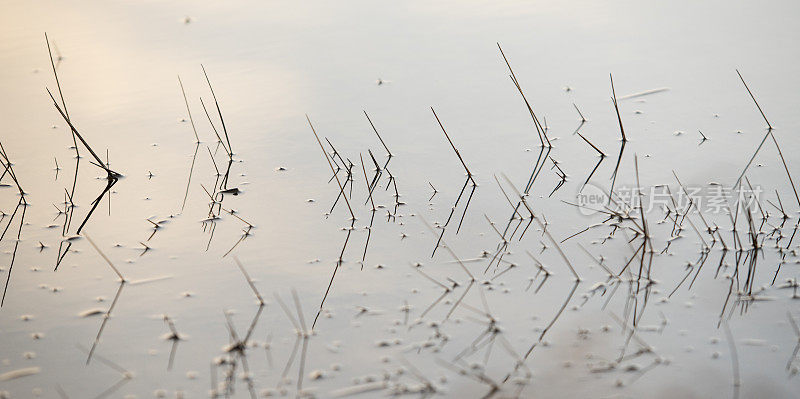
(272, 63)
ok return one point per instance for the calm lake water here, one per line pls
(401, 322)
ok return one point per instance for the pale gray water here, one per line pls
(271, 64)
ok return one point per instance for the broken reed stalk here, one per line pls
(616, 108)
(389, 153)
(9, 169)
(616, 167)
(171, 326)
(222, 121)
(602, 154)
(461, 193)
(769, 126)
(542, 132)
(458, 154)
(210, 154)
(325, 154)
(111, 173)
(583, 119)
(779, 207)
(189, 111)
(511, 204)
(537, 168)
(60, 93)
(249, 281)
(607, 270)
(122, 279)
(175, 338)
(216, 132)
